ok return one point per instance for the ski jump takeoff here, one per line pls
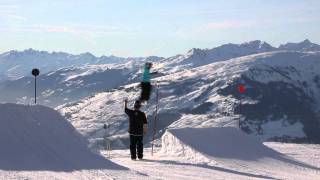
(137, 128)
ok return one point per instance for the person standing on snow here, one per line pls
(145, 83)
(137, 128)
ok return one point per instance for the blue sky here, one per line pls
(152, 27)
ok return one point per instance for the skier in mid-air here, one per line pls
(146, 86)
(137, 128)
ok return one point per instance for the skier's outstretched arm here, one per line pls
(126, 103)
(126, 110)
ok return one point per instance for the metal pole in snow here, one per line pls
(35, 72)
(240, 113)
(35, 90)
(155, 119)
(241, 90)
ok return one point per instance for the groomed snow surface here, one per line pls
(37, 143)
(230, 150)
(37, 138)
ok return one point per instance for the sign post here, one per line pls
(35, 73)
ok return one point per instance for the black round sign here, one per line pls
(35, 72)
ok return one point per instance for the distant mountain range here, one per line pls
(305, 45)
(198, 57)
(17, 64)
(66, 78)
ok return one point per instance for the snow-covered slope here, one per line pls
(231, 148)
(69, 84)
(37, 138)
(281, 101)
(64, 78)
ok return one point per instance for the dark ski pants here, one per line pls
(145, 91)
(136, 144)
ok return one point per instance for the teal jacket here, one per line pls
(146, 75)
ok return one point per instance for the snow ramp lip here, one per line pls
(37, 138)
(225, 143)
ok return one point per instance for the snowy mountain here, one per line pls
(281, 102)
(57, 67)
(17, 64)
(69, 84)
(64, 78)
(305, 45)
(199, 57)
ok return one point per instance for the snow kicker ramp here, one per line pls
(38, 138)
(226, 142)
(229, 147)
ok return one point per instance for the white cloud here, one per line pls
(10, 12)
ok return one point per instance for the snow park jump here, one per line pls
(229, 147)
(37, 138)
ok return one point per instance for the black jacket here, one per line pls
(136, 121)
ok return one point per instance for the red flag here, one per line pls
(241, 88)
